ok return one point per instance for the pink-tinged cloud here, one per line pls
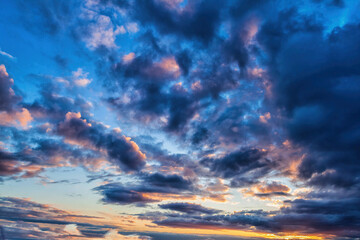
(170, 4)
(20, 118)
(80, 78)
(167, 68)
(128, 57)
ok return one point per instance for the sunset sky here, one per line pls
(179, 119)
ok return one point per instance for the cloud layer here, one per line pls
(240, 116)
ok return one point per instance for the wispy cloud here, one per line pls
(7, 55)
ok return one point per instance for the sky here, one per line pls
(179, 119)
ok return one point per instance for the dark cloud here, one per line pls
(117, 194)
(332, 3)
(148, 190)
(189, 208)
(119, 148)
(231, 83)
(302, 216)
(156, 152)
(61, 61)
(198, 20)
(184, 60)
(168, 181)
(200, 135)
(240, 9)
(339, 217)
(49, 17)
(315, 82)
(241, 220)
(155, 102)
(7, 95)
(119, 3)
(24, 161)
(239, 163)
(8, 164)
(53, 106)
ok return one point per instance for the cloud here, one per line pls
(146, 69)
(267, 190)
(188, 208)
(120, 149)
(240, 93)
(132, 27)
(20, 118)
(312, 111)
(100, 32)
(72, 230)
(80, 78)
(113, 234)
(52, 106)
(240, 163)
(7, 55)
(119, 195)
(7, 95)
(8, 165)
(301, 216)
(197, 20)
(166, 68)
(31, 220)
(48, 17)
(29, 162)
(151, 188)
(128, 57)
(10, 113)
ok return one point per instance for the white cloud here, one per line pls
(80, 78)
(132, 27)
(114, 235)
(6, 54)
(100, 31)
(72, 229)
(120, 29)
